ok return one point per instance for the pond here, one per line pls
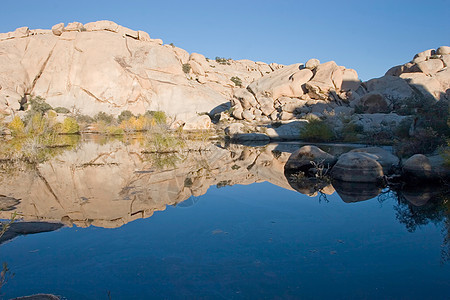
(217, 221)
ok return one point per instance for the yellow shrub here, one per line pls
(70, 126)
(17, 127)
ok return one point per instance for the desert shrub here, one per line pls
(17, 126)
(113, 130)
(425, 140)
(104, 117)
(70, 126)
(62, 110)
(186, 68)
(223, 61)
(158, 116)
(85, 119)
(316, 131)
(37, 124)
(350, 132)
(124, 116)
(236, 80)
(38, 105)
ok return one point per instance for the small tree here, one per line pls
(237, 81)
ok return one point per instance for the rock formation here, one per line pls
(102, 66)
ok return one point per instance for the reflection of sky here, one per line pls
(258, 240)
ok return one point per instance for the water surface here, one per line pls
(222, 223)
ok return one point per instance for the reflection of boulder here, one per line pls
(419, 195)
(357, 167)
(310, 186)
(8, 203)
(23, 228)
(356, 191)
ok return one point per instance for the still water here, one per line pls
(224, 223)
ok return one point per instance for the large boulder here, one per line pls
(202, 122)
(357, 167)
(58, 29)
(395, 90)
(103, 25)
(281, 83)
(246, 98)
(289, 131)
(422, 167)
(308, 157)
(386, 159)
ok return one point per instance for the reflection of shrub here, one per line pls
(70, 126)
(236, 80)
(317, 131)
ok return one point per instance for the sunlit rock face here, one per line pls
(102, 66)
(112, 184)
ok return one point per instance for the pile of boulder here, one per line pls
(295, 91)
(366, 165)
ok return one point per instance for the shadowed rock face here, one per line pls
(112, 184)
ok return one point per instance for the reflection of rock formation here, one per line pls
(112, 184)
(23, 228)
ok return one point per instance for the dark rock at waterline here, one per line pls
(357, 167)
(356, 191)
(308, 157)
(23, 228)
(386, 159)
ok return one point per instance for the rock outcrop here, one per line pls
(102, 66)
(294, 91)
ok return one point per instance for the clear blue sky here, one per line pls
(369, 36)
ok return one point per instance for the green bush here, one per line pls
(125, 116)
(350, 132)
(236, 80)
(62, 110)
(70, 126)
(85, 119)
(425, 140)
(223, 61)
(159, 116)
(186, 68)
(317, 131)
(38, 105)
(104, 117)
